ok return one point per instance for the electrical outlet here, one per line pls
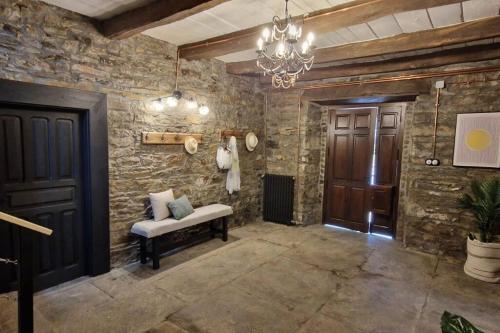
(432, 162)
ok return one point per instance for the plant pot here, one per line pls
(483, 260)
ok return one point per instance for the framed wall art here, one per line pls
(477, 140)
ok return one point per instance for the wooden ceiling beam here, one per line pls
(159, 12)
(426, 39)
(431, 60)
(319, 22)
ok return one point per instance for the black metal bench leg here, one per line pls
(224, 229)
(143, 249)
(156, 253)
(213, 229)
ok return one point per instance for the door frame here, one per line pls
(92, 108)
(400, 155)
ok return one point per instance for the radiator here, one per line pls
(278, 198)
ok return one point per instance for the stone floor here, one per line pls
(271, 278)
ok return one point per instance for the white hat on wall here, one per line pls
(191, 145)
(251, 141)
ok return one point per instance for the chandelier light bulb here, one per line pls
(305, 47)
(260, 44)
(171, 101)
(157, 105)
(292, 32)
(310, 38)
(192, 104)
(204, 110)
(266, 34)
(280, 50)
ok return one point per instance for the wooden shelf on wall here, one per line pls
(239, 134)
(164, 138)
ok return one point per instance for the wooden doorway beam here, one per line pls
(159, 12)
(322, 21)
(430, 60)
(426, 39)
(395, 88)
(381, 86)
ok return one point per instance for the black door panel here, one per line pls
(40, 173)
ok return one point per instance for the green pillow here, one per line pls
(180, 208)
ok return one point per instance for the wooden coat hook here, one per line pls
(165, 138)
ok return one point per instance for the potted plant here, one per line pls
(483, 254)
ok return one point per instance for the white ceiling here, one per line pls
(232, 16)
(236, 15)
(99, 9)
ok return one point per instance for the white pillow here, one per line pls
(159, 203)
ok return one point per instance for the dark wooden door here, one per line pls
(41, 181)
(348, 166)
(363, 167)
(384, 185)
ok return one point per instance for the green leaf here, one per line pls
(484, 204)
(451, 323)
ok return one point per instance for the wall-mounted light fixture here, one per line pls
(157, 105)
(173, 100)
(192, 104)
(203, 110)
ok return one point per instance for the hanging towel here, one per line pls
(223, 158)
(233, 176)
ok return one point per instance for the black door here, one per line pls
(41, 181)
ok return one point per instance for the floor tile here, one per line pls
(190, 282)
(377, 304)
(230, 309)
(299, 287)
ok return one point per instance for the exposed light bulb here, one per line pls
(204, 110)
(280, 50)
(292, 31)
(260, 44)
(171, 101)
(157, 105)
(305, 47)
(266, 33)
(192, 104)
(310, 38)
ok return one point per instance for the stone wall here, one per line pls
(295, 147)
(429, 218)
(311, 170)
(48, 45)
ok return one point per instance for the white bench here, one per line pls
(153, 230)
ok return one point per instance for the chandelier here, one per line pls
(278, 53)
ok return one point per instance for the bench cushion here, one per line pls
(152, 228)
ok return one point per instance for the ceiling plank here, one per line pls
(431, 60)
(427, 39)
(396, 88)
(322, 21)
(159, 12)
